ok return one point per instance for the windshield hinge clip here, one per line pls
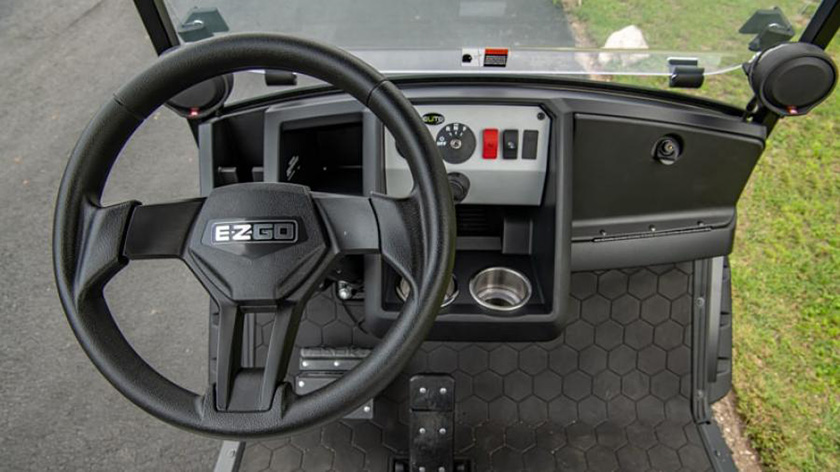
(685, 72)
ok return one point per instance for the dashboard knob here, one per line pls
(459, 185)
(456, 143)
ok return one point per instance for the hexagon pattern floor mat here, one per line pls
(612, 393)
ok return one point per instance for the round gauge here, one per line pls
(456, 143)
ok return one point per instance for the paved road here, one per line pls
(58, 63)
(417, 24)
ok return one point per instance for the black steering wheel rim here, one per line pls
(80, 285)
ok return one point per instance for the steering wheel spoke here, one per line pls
(228, 351)
(240, 388)
(160, 231)
(376, 225)
(350, 222)
(98, 251)
(400, 228)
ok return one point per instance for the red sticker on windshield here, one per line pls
(495, 57)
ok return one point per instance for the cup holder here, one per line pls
(500, 289)
(403, 290)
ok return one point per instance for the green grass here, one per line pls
(786, 264)
(786, 281)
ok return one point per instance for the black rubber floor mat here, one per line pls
(612, 393)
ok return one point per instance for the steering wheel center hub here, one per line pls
(257, 241)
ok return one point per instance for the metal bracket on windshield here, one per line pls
(770, 27)
(201, 23)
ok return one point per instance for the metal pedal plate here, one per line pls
(320, 367)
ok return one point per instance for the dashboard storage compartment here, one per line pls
(325, 155)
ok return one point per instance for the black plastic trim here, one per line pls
(158, 24)
(720, 377)
(519, 82)
(656, 249)
(823, 25)
(706, 299)
(716, 448)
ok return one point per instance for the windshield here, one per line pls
(614, 40)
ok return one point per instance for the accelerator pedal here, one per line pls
(431, 426)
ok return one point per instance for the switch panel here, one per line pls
(508, 165)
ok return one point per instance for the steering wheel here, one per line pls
(253, 246)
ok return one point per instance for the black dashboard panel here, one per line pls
(616, 175)
(606, 201)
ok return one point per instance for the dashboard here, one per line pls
(548, 180)
(501, 152)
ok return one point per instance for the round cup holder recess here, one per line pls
(500, 289)
(404, 290)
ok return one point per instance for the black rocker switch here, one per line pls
(510, 143)
(529, 144)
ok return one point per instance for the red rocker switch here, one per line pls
(491, 143)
